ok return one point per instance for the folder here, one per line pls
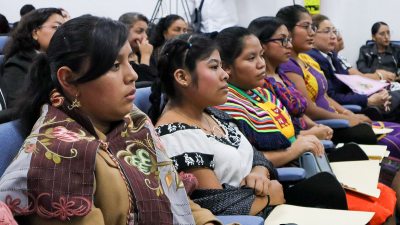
(359, 176)
(290, 214)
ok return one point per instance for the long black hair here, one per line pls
(230, 41)
(265, 27)
(376, 26)
(157, 33)
(290, 15)
(88, 45)
(182, 52)
(21, 36)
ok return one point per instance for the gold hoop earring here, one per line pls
(75, 104)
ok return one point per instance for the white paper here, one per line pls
(284, 214)
(379, 131)
(359, 176)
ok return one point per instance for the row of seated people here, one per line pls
(36, 29)
(74, 115)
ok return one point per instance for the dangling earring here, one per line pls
(75, 104)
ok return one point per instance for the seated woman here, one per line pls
(91, 157)
(305, 73)
(137, 25)
(277, 46)
(167, 28)
(381, 57)
(232, 176)
(32, 35)
(260, 115)
(325, 40)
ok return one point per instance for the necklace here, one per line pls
(214, 130)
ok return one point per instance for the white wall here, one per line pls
(353, 17)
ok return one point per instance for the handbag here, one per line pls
(314, 164)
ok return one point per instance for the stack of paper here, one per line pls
(359, 176)
(286, 214)
(375, 152)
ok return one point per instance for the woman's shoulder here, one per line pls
(291, 66)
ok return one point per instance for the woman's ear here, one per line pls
(34, 34)
(182, 77)
(65, 77)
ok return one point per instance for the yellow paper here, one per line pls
(284, 214)
(359, 176)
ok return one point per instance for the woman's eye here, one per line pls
(115, 67)
(215, 67)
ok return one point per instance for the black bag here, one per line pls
(196, 18)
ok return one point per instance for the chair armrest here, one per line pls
(353, 108)
(328, 144)
(243, 220)
(334, 123)
(291, 174)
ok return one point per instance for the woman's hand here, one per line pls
(276, 193)
(146, 49)
(257, 179)
(387, 75)
(321, 131)
(379, 99)
(307, 143)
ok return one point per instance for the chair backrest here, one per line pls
(11, 139)
(3, 41)
(142, 100)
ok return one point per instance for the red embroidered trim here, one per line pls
(62, 210)
(14, 205)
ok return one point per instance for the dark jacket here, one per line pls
(369, 60)
(15, 71)
(337, 90)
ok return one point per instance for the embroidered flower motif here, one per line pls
(30, 147)
(56, 98)
(62, 134)
(15, 205)
(64, 208)
(141, 160)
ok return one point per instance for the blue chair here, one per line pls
(243, 220)
(142, 99)
(11, 140)
(3, 41)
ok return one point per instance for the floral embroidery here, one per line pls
(64, 209)
(60, 133)
(15, 205)
(56, 98)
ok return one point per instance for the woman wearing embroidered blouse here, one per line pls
(262, 117)
(91, 158)
(277, 45)
(233, 177)
(204, 141)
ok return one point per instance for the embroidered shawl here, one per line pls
(255, 122)
(53, 174)
(291, 98)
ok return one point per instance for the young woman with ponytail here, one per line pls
(90, 156)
